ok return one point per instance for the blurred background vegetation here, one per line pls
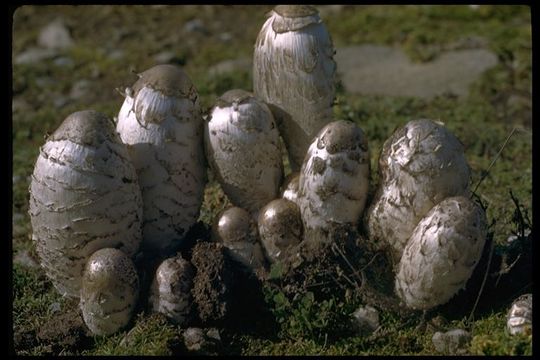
(107, 45)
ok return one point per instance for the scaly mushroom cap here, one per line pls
(334, 179)
(84, 196)
(171, 289)
(442, 253)
(242, 147)
(161, 123)
(235, 228)
(109, 293)
(519, 318)
(421, 164)
(280, 228)
(294, 72)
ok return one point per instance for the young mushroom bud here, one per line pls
(519, 318)
(294, 71)
(161, 122)
(280, 228)
(84, 196)
(290, 187)
(109, 293)
(442, 253)
(334, 178)
(171, 289)
(236, 230)
(421, 164)
(242, 146)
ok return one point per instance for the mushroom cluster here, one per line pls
(102, 192)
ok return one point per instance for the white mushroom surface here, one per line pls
(280, 228)
(161, 122)
(519, 318)
(442, 253)
(290, 187)
(421, 164)
(294, 71)
(84, 196)
(109, 293)
(171, 289)
(242, 146)
(235, 228)
(334, 178)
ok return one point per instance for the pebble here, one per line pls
(55, 307)
(195, 25)
(34, 55)
(63, 62)
(366, 319)
(164, 57)
(55, 36)
(451, 342)
(202, 341)
(228, 66)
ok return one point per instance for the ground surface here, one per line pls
(468, 67)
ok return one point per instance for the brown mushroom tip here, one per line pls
(232, 225)
(86, 127)
(295, 11)
(233, 96)
(279, 213)
(341, 136)
(168, 79)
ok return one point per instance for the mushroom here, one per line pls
(280, 228)
(294, 72)
(171, 289)
(442, 253)
(161, 122)
(242, 146)
(290, 187)
(84, 196)
(421, 164)
(519, 318)
(334, 178)
(109, 292)
(236, 230)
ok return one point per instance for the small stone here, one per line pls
(228, 66)
(55, 36)
(60, 101)
(195, 25)
(116, 54)
(164, 57)
(23, 258)
(55, 307)
(80, 89)
(201, 341)
(34, 55)
(225, 37)
(63, 62)
(366, 319)
(451, 342)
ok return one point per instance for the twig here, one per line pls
(486, 173)
(483, 281)
(355, 272)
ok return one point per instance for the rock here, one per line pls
(63, 62)
(34, 55)
(381, 70)
(164, 57)
(228, 66)
(55, 307)
(116, 54)
(202, 341)
(225, 37)
(55, 36)
(195, 25)
(23, 258)
(451, 342)
(80, 89)
(60, 101)
(366, 319)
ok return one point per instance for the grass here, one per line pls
(498, 102)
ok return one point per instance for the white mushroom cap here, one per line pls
(171, 289)
(235, 228)
(280, 228)
(421, 164)
(519, 318)
(242, 145)
(442, 253)
(161, 122)
(84, 196)
(110, 290)
(334, 179)
(294, 71)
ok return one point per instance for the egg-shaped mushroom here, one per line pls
(235, 229)
(421, 164)
(334, 178)
(519, 317)
(242, 146)
(109, 292)
(170, 292)
(280, 228)
(84, 196)
(161, 122)
(294, 71)
(442, 253)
